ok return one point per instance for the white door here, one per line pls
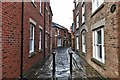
(59, 42)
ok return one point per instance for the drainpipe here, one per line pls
(22, 23)
(44, 25)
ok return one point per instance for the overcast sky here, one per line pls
(62, 12)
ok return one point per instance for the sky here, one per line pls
(62, 12)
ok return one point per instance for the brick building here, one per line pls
(59, 36)
(48, 27)
(69, 38)
(76, 15)
(72, 30)
(35, 24)
(99, 40)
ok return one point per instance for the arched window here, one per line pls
(84, 41)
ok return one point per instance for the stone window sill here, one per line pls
(40, 50)
(32, 54)
(83, 53)
(41, 14)
(98, 63)
(98, 9)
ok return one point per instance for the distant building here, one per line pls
(99, 33)
(69, 39)
(59, 36)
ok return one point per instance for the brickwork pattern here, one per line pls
(11, 39)
(11, 36)
(111, 40)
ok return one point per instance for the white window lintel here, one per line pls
(98, 24)
(32, 21)
(40, 27)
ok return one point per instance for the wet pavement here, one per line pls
(80, 69)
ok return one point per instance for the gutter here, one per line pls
(22, 31)
(44, 25)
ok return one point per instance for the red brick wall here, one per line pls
(11, 39)
(30, 11)
(110, 39)
(48, 27)
(62, 36)
(1, 41)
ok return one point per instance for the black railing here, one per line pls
(70, 62)
(53, 71)
(70, 53)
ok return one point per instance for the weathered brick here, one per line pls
(11, 36)
(111, 37)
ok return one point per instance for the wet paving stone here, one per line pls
(80, 70)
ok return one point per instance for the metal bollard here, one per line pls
(53, 62)
(71, 62)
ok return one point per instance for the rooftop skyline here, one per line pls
(62, 12)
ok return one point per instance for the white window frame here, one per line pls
(58, 32)
(33, 1)
(83, 13)
(77, 2)
(32, 22)
(77, 21)
(82, 2)
(95, 45)
(32, 38)
(96, 4)
(40, 38)
(77, 40)
(83, 41)
(40, 6)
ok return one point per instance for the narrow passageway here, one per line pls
(62, 62)
(80, 69)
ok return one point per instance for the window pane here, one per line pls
(83, 9)
(77, 43)
(31, 37)
(40, 6)
(39, 44)
(99, 51)
(77, 21)
(100, 55)
(31, 31)
(97, 3)
(99, 36)
(31, 44)
(40, 36)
